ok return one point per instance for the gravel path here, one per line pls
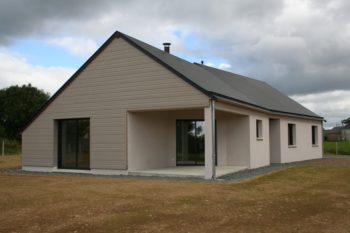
(251, 173)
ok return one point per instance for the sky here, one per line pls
(300, 47)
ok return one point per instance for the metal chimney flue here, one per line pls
(167, 47)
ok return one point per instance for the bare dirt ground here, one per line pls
(314, 197)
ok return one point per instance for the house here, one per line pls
(135, 109)
(338, 133)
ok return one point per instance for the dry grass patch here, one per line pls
(312, 198)
(10, 161)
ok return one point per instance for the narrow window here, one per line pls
(291, 135)
(259, 129)
(314, 135)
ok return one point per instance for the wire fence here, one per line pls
(10, 147)
(337, 147)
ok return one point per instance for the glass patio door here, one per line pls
(189, 142)
(74, 144)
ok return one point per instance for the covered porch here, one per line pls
(204, 143)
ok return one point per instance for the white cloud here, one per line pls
(333, 105)
(14, 70)
(223, 66)
(81, 47)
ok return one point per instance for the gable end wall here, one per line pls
(119, 79)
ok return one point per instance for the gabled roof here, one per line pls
(223, 84)
(213, 82)
(260, 93)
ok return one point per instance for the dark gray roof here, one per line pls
(223, 84)
(213, 82)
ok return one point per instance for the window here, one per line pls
(314, 132)
(259, 129)
(190, 142)
(291, 135)
(74, 144)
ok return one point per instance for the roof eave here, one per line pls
(231, 100)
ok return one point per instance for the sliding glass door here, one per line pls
(189, 142)
(74, 144)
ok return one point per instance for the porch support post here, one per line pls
(209, 119)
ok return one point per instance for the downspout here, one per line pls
(213, 136)
(322, 139)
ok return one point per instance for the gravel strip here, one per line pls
(251, 173)
(234, 177)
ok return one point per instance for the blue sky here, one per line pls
(41, 53)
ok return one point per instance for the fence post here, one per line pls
(336, 148)
(3, 147)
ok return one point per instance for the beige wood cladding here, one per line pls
(121, 78)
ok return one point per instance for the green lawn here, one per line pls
(343, 147)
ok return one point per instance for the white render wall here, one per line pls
(253, 152)
(152, 138)
(232, 139)
(275, 141)
(259, 147)
(148, 143)
(151, 141)
(262, 152)
(303, 150)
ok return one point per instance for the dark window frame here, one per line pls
(314, 136)
(176, 148)
(291, 134)
(59, 143)
(259, 129)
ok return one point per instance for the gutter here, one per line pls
(263, 109)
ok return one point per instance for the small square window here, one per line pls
(291, 135)
(259, 133)
(314, 132)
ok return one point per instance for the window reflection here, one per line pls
(74, 144)
(190, 142)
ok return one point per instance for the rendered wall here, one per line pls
(233, 139)
(152, 137)
(259, 148)
(148, 140)
(303, 150)
(275, 141)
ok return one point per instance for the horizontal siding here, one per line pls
(121, 78)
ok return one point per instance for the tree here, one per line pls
(17, 105)
(346, 122)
